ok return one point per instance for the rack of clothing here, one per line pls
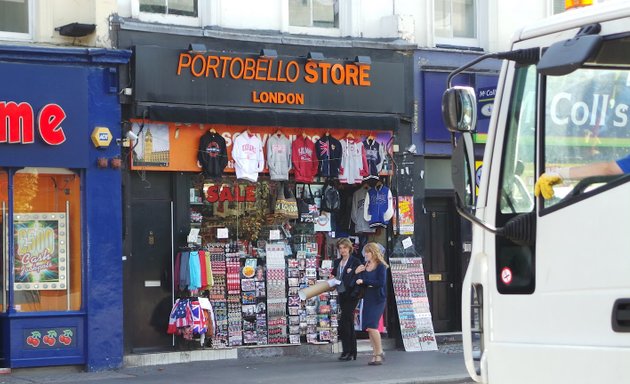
(192, 270)
(192, 317)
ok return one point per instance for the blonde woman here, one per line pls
(374, 278)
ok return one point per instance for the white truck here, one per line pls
(546, 296)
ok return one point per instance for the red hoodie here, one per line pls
(304, 159)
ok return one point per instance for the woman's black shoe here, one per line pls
(348, 356)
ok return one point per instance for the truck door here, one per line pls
(562, 301)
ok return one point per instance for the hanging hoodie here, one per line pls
(353, 162)
(248, 156)
(212, 154)
(328, 150)
(378, 206)
(374, 154)
(279, 156)
(358, 212)
(304, 159)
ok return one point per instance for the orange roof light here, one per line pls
(569, 4)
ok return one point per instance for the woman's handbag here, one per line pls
(358, 291)
(307, 209)
(286, 205)
(331, 201)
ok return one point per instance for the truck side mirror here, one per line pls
(459, 109)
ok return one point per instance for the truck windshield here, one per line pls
(586, 121)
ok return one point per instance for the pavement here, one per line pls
(399, 367)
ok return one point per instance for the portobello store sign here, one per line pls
(285, 82)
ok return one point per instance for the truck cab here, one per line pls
(546, 296)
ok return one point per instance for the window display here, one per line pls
(46, 238)
(254, 254)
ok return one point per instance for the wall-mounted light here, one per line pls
(363, 60)
(268, 53)
(197, 48)
(131, 135)
(315, 56)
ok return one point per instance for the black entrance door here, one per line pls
(442, 269)
(148, 286)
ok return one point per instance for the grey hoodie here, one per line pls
(357, 215)
(279, 156)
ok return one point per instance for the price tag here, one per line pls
(406, 243)
(274, 234)
(222, 233)
(193, 235)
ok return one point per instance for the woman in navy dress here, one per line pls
(374, 278)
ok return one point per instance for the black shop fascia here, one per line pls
(254, 85)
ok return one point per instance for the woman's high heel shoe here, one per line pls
(348, 356)
(379, 361)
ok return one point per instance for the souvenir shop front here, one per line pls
(245, 171)
(60, 207)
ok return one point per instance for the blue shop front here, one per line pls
(440, 236)
(60, 197)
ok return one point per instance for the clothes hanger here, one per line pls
(212, 130)
(350, 136)
(279, 133)
(327, 133)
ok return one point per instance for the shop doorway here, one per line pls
(443, 275)
(148, 286)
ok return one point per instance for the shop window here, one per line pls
(15, 19)
(455, 21)
(240, 207)
(46, 250)
(314, 13)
